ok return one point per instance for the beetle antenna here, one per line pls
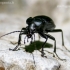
(9, 33)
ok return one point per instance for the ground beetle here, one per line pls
(42, 25)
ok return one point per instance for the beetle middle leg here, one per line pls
(42, 51)
(46, 36)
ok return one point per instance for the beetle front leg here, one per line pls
(19, 42)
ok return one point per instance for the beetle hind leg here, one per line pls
(59, 30)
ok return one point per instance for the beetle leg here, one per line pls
(59, 30)
(24, 39)
(33, 59)
(54, 54)
(43, 48)
(44, 36)
(51, 37)
(34, 37)
(19, 40)
(31, 40)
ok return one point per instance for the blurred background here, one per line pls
(13, 15)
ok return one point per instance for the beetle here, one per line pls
(42, 25)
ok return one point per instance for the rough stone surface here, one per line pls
(2, 65)
(20, 60)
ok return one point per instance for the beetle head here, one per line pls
(31, 27)
(30, 30)
(29, 21)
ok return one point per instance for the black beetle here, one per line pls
(41, 25)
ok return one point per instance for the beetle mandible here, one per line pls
(39, 24)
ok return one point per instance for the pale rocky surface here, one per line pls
(20, 60)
